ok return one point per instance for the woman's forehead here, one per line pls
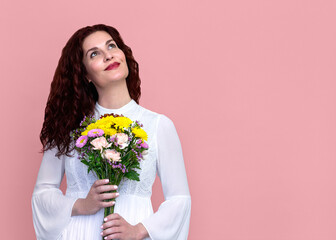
(96, 39)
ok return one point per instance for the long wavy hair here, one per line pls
(72, 97)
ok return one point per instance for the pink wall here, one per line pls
(250, 86)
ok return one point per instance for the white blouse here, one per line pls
(52, 210)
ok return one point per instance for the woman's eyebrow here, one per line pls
(95, 48)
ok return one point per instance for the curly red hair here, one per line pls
(72, 97)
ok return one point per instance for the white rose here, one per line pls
(122, 140)
(112, 155)
(99, 143)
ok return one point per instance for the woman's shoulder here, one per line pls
(148, 114)
(159, 120)
(151, 115)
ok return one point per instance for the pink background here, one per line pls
(250, 86)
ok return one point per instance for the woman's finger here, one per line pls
(115, 228)
(112, 223)
(104, 196)
(105, 188)
(107, 204)
(100, 182)
(113, 216)
(113, 236)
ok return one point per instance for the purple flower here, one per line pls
(81, 141)
(95, 133)
(144, 145)
(82, 121)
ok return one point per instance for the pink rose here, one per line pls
(100, 143)
(112, 155)
(122, 140)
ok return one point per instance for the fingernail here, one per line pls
(106, 180)
(101, 226)
(117, 194)
(105, 219)
(113, 202)
(105, 237)
(101, 233)
(115, 187)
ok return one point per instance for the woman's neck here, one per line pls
(114, 96)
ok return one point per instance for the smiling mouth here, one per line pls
(112, 66)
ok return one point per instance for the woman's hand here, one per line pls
(116, 227)
(94, 200)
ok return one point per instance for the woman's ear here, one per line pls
(88, 79)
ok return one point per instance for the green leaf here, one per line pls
(85, 162)
(132, 175)
(135, 164)
(127, 156)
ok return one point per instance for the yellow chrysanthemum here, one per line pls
(105, 126)
(138, 132)
(105, 120)
(110, 131)
(91, 126)
(88, 128)
(106, 123)
(122, 122)
(84, 133)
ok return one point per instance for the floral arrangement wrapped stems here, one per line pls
(112, 147)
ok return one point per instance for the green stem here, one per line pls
(114, 180)
(109, 210)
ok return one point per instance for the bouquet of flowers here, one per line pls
(112, 147)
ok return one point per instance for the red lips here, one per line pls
(112, 66)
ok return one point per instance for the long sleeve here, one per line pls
(51, 209)
(171, 221)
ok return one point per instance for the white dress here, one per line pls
(52, 210)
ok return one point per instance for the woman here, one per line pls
(97, 74)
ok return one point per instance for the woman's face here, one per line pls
(103, 60)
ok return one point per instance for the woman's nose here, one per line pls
(108, 56)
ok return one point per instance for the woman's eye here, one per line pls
(111, 45)
(93, 54)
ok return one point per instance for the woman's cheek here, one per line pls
(96, 65)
